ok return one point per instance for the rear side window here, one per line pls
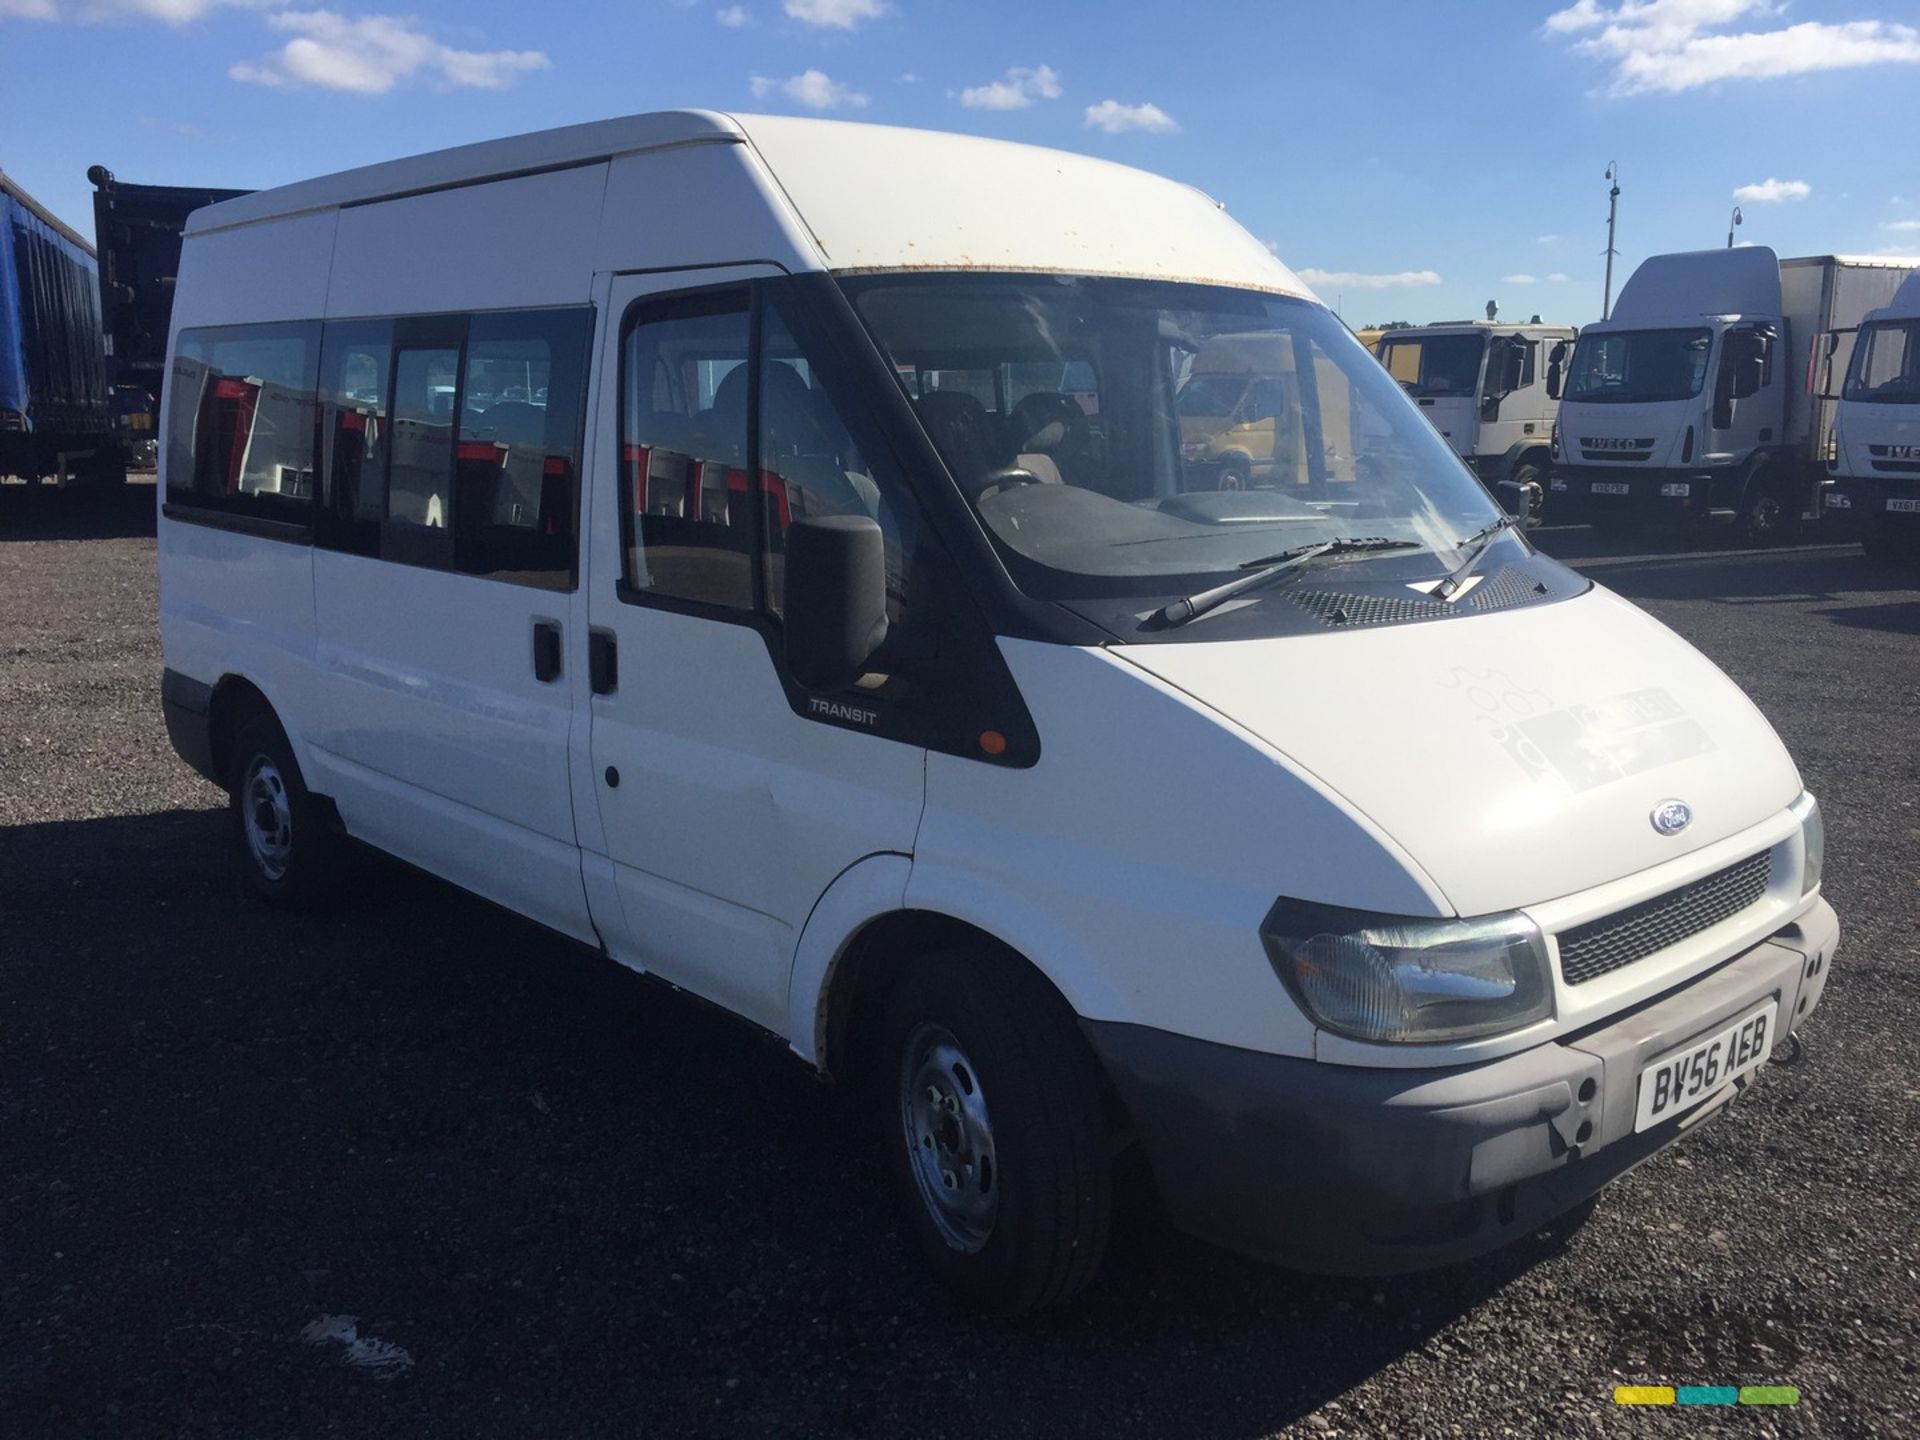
(517, 462)
(686, 517)
(242, 426)
(454, 442)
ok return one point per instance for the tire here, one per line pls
(1766, 517)
(996, 1131)
(1236, 473)
(288, 853)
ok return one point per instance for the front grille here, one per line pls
(1895, 459)
(1604, 945)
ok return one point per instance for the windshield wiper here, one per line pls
(1268, 567)
(1475, 545)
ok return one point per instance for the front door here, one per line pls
(725, 812)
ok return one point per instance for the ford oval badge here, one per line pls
(1670, 817)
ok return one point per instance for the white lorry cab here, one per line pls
(762, 550)
(1491, 389)
(1873, 448)
(1698, 398)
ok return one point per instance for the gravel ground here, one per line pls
(557, 1200)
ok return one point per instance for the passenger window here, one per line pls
(812, 466)
(420, 482)
(242, 428)
(686, 520)
(354, 360)
(516, 467)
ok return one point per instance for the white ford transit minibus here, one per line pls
(764, 551)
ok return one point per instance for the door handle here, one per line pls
(603, 662)
(546, 651)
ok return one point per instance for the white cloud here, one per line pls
(1520, 279)
(370, 54)
(1771, 191)
(28, 10)
(1904, 225)
(811, 88)
(1546, 239)
(1114, 118)
(733, 16)
(907, 77)
(1355, 280)
(1664, 45)
(1022, 86)
(1556, 278)
(835, 14)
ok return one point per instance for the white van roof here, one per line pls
(871, 197)
(1741, 281)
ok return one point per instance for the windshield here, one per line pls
(1097, 495)
(1886, 364)
(1638, 365)
(1434, 366)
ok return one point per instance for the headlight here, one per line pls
(1192, 450)
(1409, 981)
(1813, 842)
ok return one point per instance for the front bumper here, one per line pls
(1347, 1170)
(1651, 497)
(1864, 505)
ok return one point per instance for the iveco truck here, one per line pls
(1873, 449)
(1694, 400)
(1490, 390)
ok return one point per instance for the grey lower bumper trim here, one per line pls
(187, 705)
(1369, 1171)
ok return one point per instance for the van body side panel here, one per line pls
(434, 737)
(235, 604)
(709, 206)
(1135, 861)
(510, 245)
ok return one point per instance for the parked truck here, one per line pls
(56, 416)
(1694, 401)
(1873, 449)
(1490, 390)
(138, 229)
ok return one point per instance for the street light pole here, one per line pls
(1613, 210)
(1737, 218)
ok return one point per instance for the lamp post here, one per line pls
(1613, 209)
(1736, 220)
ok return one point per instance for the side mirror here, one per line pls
(1553, 375)
(1514, 498)
(836, 599)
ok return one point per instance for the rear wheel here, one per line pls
(288, 853)
(997, 1131)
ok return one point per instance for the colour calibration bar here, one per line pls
(1706, 1395)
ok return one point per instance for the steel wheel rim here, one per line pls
(267, 817)
(949, 1138)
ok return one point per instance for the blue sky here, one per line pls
(1417, 159)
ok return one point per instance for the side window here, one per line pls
(812, 464)
(1528, 361)
(686, 520)
(516, 464)
(242, 427)
(354, 363)
(420, 475)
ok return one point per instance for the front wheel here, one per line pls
(288, 853)
(1766, 516)
(997, 1131)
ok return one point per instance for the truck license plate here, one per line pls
(1904, 507)
(1609, 487)
(1682, 1078)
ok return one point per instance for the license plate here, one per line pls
(1610, 487)
(1904, 507)
(141, 422)
(1682, 1078)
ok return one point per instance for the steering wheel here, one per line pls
(1034, 417)
(1004, 478)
